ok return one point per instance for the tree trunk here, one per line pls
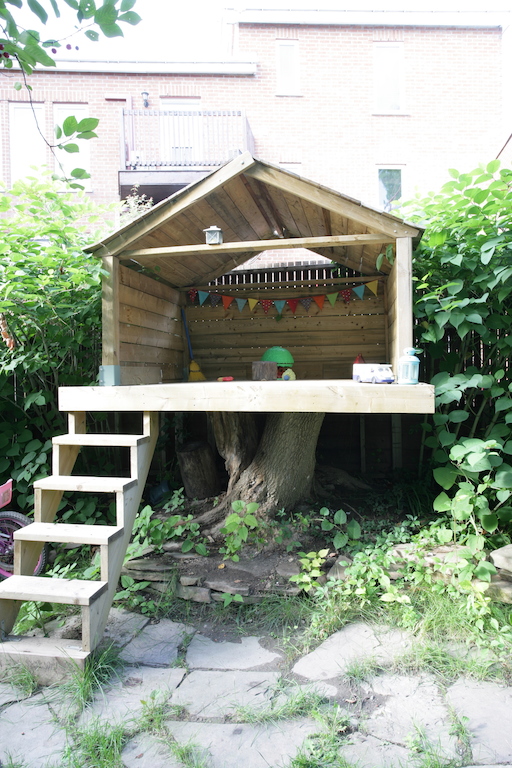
(276, 471)
(197, 468)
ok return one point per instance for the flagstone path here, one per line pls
(209, 703)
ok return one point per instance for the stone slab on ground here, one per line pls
(250, 746)
(217, 693)
(9, 694)
(122, 626)
(351, 644)
(488, 707)
(204, 653)
(146, 751)
(368, 752)
(122, 702)
(28, 732)
(412, 705)
(157, 644)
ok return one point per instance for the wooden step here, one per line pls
(66, 591)
(49, 660)
(67, 533)
(109, 441)
(84, 483)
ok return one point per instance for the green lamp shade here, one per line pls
(278, 355)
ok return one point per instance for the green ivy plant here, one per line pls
(241, 527)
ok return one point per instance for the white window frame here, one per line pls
(72, 160)
(26, 145)
(287, 76)
(390, 167)
(384, 101)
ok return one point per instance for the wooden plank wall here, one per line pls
(150, 330)
(324, 342)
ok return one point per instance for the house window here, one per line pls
(26, 145)
(388, 78)
(65, 162)
(287, 67)
(390, 187)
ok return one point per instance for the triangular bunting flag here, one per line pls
(292, 303)
(306, 303)
(319, 300)
(241, 303)
(266, 304)
(203, 295)
(373, 286)
(332, 298)
(279, 305)
(345, 295)
(227, 300)
(215, 298)
(358, 290)
(192, 294)
(252, 303)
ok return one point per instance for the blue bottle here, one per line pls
(408, 367)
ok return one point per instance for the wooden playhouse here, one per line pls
(158, 270)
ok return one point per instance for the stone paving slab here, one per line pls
(9, 694)
(369, 752)
(146, 751)
(203, 653)
(28, 731)
(352, 643)
(488, 707)
(412, 705)
(217, 693)
(157, 644)
(250, 746)
(122, 626)
(123, 701)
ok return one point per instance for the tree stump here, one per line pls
(198, 471)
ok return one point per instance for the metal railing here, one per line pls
(184, 138)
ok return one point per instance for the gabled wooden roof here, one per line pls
(259, 205)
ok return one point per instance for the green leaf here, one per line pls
(127, 5)
(445, 476)
(92, 35)
(442, 502)
(130, 18)
(353, 529)
(489, 522)
(18, 86)
(456, 417)
(484, 571)
(70, 125)
(87, 124)
(446, 438)
(493, 166)
(340, 540)
(340, 517)
(503, 404)
(38, 9)
(71, 148)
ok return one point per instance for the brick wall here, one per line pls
(329, 133)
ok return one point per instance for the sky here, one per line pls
(191, 30)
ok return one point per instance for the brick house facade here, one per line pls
(370, 109)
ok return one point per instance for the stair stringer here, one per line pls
(95, 616)
(9, 609)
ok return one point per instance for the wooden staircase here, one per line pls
(44, 656)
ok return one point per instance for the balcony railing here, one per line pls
(159, 139)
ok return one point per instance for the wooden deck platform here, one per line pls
(329, 396)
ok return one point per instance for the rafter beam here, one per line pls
(252, 246)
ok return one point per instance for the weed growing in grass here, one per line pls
(99, 668)
(12, 761)
(284, 705)
(22, 678)
(190, 754)
(99, 745)
(322, 749)
(361, 670)
(154, 713)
